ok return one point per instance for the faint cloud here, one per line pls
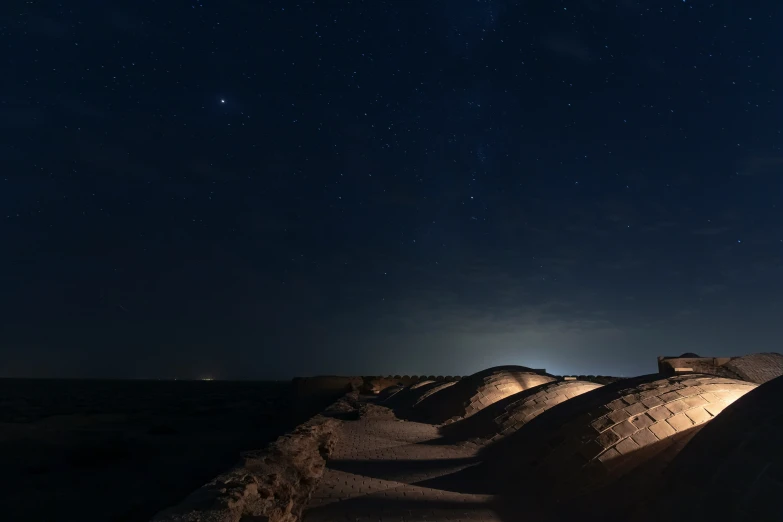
(712, 289)
(482, 300)
(460, 318)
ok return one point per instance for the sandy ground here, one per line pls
(123, 450)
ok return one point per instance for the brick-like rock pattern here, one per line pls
(733, 468)
(519, 413)
(405, 401)
(508, 415)
(601, 442)
(757, 367)
(500, 385)
(375, 384)
(650, 413)
(480, 426)
(472, 394)
(407, 396)
(429, 391)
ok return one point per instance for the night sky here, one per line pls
(265, 189)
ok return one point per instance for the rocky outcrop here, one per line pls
(350, 408)
(375, 385)
(374, 411)
(755, 367)
(270, 485)
(347, 405)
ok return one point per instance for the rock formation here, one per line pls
(272, 485)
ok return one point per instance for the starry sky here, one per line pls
(265, 189)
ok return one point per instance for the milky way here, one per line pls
(266, 190)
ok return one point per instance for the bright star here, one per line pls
(222, 101)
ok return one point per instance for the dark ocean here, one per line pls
(114, 450)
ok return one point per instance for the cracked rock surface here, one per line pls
(271, 485)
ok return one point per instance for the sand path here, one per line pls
(390, 470)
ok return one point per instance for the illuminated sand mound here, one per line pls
(420, 384)
(508, 415)
(596, 437)
(425, 392)
(387, 393)
(474, 393)
(481, 426)
(402, 395)
(736, 461)
(408, 396)
(405, 402)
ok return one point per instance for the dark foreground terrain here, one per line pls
(123, 450)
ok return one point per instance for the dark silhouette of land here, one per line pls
(95, 450)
